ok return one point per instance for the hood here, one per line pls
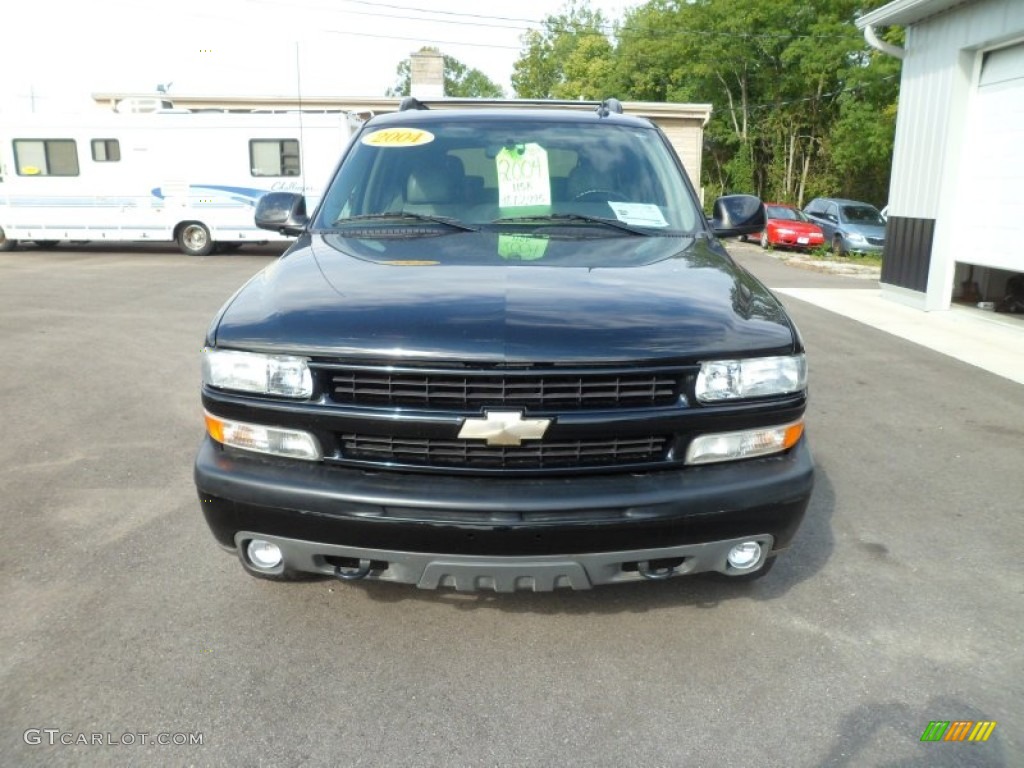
(506, 299)
(796, 226)
(868, 230)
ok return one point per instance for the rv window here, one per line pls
(274, 157)
(106, 150)
(46, 157)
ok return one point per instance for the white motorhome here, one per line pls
(187, 177)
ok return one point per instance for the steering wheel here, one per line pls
(604, 193)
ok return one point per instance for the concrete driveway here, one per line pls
(899, 604)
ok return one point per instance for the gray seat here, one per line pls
(585, 178)
(434, 185)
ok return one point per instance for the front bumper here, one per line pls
(478, 528)
(793, 241)
(851, 247)
(540, 573)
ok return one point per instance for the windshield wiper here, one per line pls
(558, 217)
(408, 216)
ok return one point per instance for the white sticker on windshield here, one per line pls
(523, 178)
(639, 214)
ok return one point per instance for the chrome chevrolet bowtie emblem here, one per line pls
(504, 428)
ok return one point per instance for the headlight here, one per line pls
(856, 237)
(755, 377)
(783, 231)
(262, 374)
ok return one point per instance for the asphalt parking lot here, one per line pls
(900, 603)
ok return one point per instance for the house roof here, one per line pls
(904, 12)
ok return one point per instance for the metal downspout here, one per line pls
(880, 45)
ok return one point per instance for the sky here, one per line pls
(55, 53)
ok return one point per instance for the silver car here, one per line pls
(849, 226)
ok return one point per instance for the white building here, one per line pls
(956, 201)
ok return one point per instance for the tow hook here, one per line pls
(655, 574)
(353, 574)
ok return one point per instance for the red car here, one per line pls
(788, 227)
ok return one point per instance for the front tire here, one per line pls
(194, 239)
(837, 246)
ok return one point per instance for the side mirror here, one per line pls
(734, 215)
(283, 212)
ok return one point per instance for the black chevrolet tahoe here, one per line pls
(506, 351)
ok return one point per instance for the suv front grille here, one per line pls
(547, 454)
(530, 388)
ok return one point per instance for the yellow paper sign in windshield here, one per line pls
(523, 178)
(398, 137)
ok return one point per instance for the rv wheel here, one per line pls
(5, 244)
(194, 239)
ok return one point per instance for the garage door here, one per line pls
(989, 226)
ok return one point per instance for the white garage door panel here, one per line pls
(1002, 65)
(989, 230)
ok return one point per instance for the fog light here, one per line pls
(263, 554)
(744, 556)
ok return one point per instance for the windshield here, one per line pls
(862, 214)
(785, 213)
(490, 173)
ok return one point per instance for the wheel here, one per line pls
(46, 244)
(194, 239)
(5, 244)
(604, 194)
(764, 240)
(837, 246)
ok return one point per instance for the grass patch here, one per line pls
(864, 259)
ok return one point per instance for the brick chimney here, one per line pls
(427, 74)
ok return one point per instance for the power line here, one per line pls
(441, 13)
(605, 29)
(422, 17)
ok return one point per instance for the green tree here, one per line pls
(571, 57)
(460, 81)
(788, 79)
(801, 105)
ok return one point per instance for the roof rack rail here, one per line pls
(604, 108)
